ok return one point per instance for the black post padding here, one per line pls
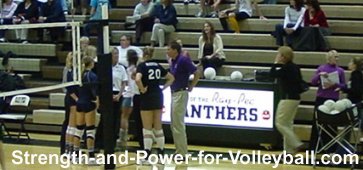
(104, 72)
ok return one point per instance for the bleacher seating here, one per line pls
(39, 50)
(246, 40)
(272, 11)
(253, 49)
(26, 64)
(265, 56)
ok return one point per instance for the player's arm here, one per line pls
(169, 80)
(139, 84)
(195, 80)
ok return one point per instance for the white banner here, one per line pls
(226, 107)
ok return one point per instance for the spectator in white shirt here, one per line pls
(294, 16)
(6, 16)
(142, 18)
(125, 42)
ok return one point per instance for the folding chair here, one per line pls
(348, 120)
(18, 101)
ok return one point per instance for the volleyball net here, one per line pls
(76, 52)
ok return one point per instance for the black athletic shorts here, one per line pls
(151, 101)
(85, 106)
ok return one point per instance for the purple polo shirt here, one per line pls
(330, 92)
(181, 68)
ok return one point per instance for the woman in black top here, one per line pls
(148, 76)
(26, 12)
(289, 78)
(210, 44)
(354, 87)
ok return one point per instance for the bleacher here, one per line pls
(253, 49)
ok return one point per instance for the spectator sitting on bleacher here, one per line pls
(125, 42)
(26, 12)
(51, 12)
(64, 4)
(6, 16)
(210, 51)
(95, 14)
(9, 80)
(80, 4)
(241, 10)
(294, 15)
(87, 49)
(165, 21)
(311, 37)
(215, 5)
(142, 18)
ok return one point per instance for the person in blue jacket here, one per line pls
(165, 21)
(50, 12)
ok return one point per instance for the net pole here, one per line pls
(79, 60)
(75, 26)
(104, 70)
(74, 60)
(106, 43)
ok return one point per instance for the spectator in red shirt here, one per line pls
(312, 36)
(315, 17)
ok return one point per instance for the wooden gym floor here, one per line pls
(43, 148)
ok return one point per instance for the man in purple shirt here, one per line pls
(181, 67)
(326, 91)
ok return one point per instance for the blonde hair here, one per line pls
(148, 51)
(84, 39)
(91, 51)
(331, 54)
(69, 60)
(287, 53)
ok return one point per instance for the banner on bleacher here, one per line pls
(236, 108)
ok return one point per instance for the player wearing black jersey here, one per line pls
(148, 76)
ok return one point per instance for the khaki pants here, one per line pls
(285, 114)
(179, 109)
(158, 33)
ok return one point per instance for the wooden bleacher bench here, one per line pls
(25, 77)
(43, 83)
(40, 50)
(265, 56)
(246, 40)
(331, 11)
(77, 18)
(355, 2)
(56, 99)
(39, 103)
(225, 70)
(52, 116)
(257, 25)
(228, 69)
(130, 3)
(48, 116)
(52, 72)
(26, 64)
